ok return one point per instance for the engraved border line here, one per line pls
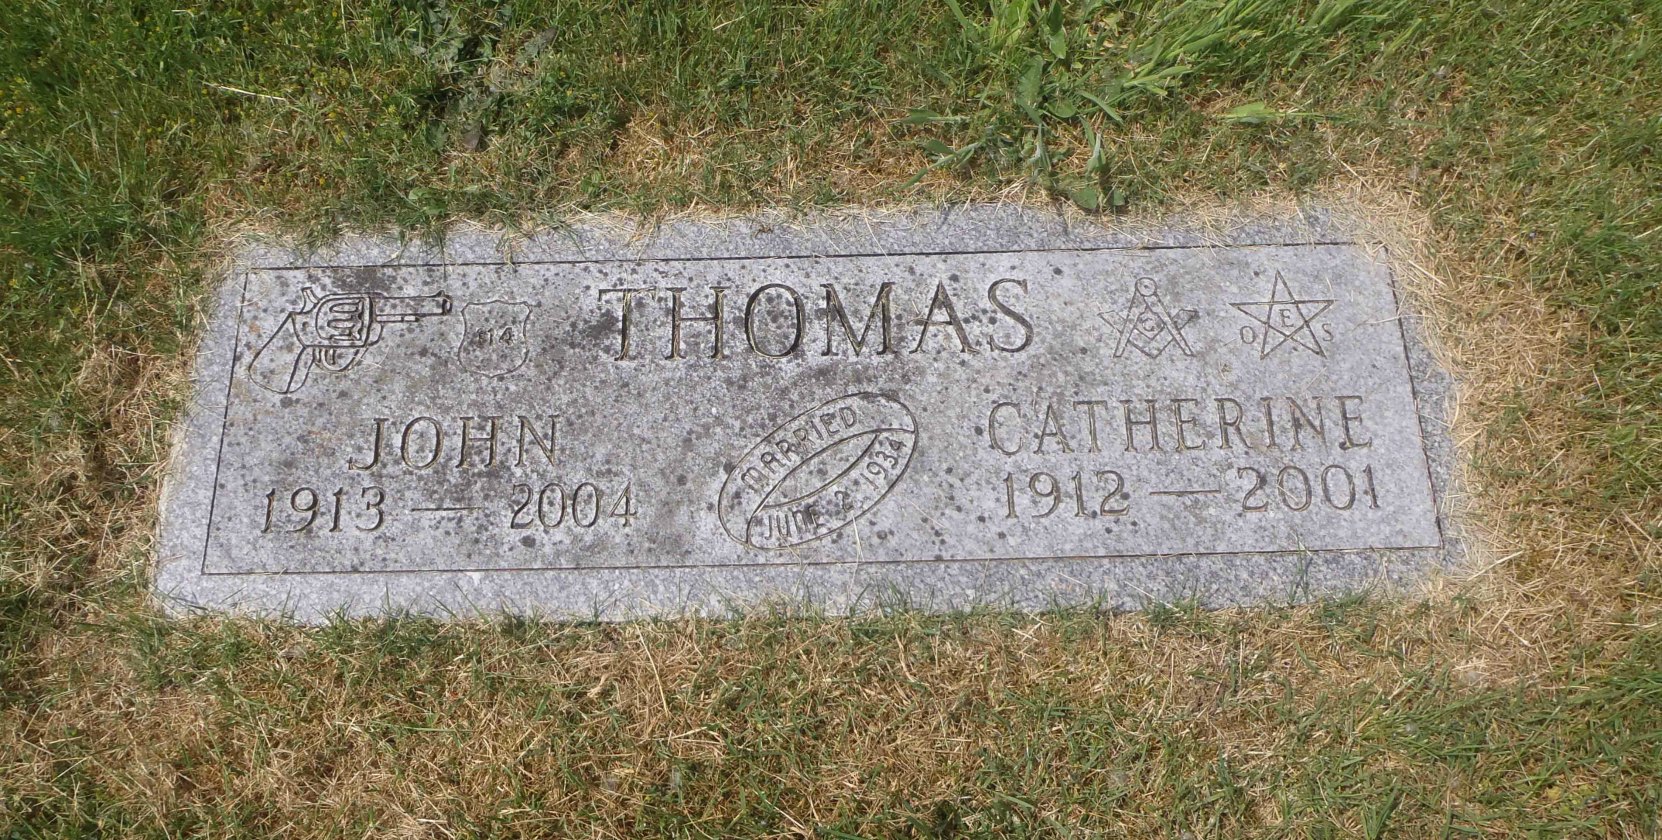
(1390, 278)
(1414, 394)
(796, 564)
(809, 256)
(225, 420)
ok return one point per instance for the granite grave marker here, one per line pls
(983, 407)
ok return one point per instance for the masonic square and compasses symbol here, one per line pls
(1286, 316)
(1147, 324)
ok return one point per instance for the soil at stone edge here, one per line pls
(1509, 150)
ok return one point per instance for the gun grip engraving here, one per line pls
(337, 359)
(282, 364)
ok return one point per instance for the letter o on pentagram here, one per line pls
(1248, 335)
(818, 471)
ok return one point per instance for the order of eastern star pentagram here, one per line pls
(1287, 316)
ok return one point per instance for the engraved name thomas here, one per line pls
(776, 320)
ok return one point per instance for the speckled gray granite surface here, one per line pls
(982, 406)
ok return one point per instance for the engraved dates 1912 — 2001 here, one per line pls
(817, 410)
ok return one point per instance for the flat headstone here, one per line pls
(945, 410)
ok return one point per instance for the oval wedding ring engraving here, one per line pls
(818, 472)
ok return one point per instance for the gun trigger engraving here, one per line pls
(332, 332)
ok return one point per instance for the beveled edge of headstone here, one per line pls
(992, 227)
(1216, 581)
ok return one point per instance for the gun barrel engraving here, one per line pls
(333, 331)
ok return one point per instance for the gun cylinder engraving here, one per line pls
(332, 332)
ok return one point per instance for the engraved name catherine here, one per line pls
(1288, 454)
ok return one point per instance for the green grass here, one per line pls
(133, 133)
(892, 726)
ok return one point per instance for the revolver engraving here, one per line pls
(332, 332)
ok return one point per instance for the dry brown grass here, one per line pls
(425, 732)
(1517, 698)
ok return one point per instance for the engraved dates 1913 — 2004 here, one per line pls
(802, 411)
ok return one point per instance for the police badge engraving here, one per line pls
(493, 338)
